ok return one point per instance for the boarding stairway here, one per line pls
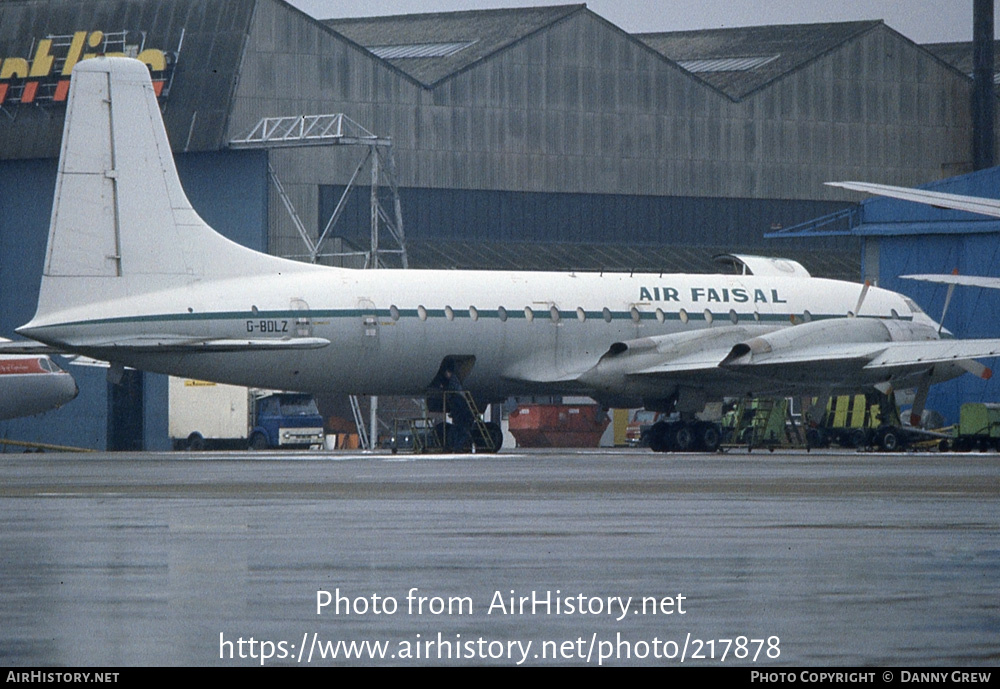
(426, 434)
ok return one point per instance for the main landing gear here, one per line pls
(685, 436)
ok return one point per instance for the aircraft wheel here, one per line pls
(659, 438)
(195, 442)
(258, 441)
(889, 440)
(684, 438)
(711, 437)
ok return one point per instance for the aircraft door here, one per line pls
(303, 321)
(369, 324)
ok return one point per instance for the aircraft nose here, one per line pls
(60, 388)
(68, 388)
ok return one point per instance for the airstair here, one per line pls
(434, 433)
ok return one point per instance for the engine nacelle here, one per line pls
(618, 375)
(784, 344)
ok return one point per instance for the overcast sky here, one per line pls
(923, 21)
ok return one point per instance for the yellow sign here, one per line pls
(45, 77)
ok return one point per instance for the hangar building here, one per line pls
(525, 138)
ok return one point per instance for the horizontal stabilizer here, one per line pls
(186, 344)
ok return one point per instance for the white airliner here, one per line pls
(32, 384)
(134, 276)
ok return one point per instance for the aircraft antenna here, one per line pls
(947, 302)
(861, 299)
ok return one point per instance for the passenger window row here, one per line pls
(556, 315)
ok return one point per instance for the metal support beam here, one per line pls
(308, 130)
(338, 129)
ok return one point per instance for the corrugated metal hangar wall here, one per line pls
(550, 124)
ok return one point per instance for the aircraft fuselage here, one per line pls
(389, 330)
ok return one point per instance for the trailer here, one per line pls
(204, 415)
(869, 421)
(978, 427)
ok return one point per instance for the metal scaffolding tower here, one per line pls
(338, 129)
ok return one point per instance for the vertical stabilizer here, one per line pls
(121, 223)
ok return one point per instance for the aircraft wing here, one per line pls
(870, 359)
(704, 363)
(972, 204)
(949, 279)
(919, 354)
(26, 347)
(805, 358)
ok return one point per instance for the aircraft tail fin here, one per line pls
(121, 223)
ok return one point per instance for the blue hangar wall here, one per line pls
(520, 216)
(914, 238)
(227, 188)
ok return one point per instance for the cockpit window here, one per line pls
(913, 305)
(49, 365)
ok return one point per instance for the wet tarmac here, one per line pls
(532, 558)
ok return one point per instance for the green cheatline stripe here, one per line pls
(540, 314)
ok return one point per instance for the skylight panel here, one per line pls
(727, 64)
(412, 50)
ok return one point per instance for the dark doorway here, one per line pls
(125, 413)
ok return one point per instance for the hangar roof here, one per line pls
(738, 61)
(433, 47)
(204, 41)
(741, 60)
(959, 55)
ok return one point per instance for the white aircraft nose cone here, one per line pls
(26, 394)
